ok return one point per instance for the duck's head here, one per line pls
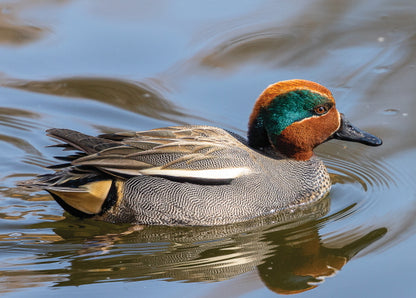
(294, 116)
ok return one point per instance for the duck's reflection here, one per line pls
(302, 262)
(286, 251)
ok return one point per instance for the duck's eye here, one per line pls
(321, 110)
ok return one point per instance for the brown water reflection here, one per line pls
(13, 32)
(284, 42)
(141, 98)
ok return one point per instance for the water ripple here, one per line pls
(19, 119)
(352, 165)
(144, 98)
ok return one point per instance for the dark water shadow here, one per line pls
(14, 32)
(138, 97)
(288, 45)
(268, 42)
(285, 250)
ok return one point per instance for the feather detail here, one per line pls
(194, 153)
(88, 198)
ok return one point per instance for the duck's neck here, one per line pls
(291, 151)
(257, 135)
(279, 146)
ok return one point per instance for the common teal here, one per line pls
(203, 175)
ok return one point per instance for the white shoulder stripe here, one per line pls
(227, 173)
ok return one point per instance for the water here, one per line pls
(97, 66)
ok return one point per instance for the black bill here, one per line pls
(349, 132)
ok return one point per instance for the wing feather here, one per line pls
(188, 153)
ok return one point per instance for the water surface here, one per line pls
(97, 67)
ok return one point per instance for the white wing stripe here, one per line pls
(227, 173)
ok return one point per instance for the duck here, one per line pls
(200, 175)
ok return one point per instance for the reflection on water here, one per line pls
(65, 63)
(13, 32)
(15, 118)
(137, 97)
(286, 250)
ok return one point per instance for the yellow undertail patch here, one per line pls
(88, 198)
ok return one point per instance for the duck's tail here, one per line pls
(82, 195)
(79, 190)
